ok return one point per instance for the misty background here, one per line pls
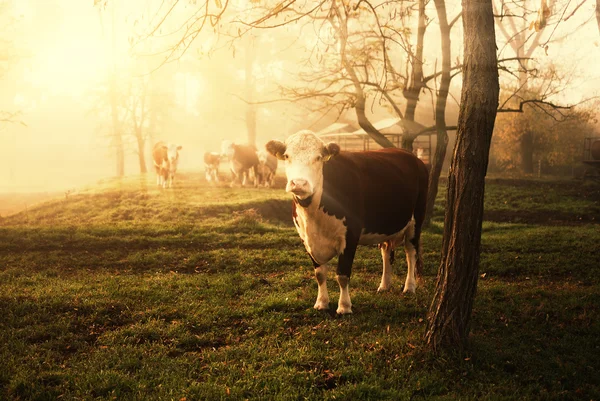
(59, 57)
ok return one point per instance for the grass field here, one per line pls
(124, 291)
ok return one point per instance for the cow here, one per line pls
(242, 161)
(266, 169)
(345, 199)
(211, 166)
(166, 159)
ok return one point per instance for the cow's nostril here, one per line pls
(299, 183)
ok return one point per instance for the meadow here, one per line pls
(126, 291)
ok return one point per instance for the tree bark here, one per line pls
(449, 317)
(413, 91)
(440, 112)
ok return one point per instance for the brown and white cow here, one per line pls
(345, 199)
(242, 162)
(166, 159)
(266, 169)
(212, 160)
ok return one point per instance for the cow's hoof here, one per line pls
(344, 310)
(409, 289)
(383, 288)
(322, 305)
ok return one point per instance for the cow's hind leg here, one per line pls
(387, 255)
(411, 246)
(157, 169)
(322, 296)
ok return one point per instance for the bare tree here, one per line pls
(528, 26)
(450, 312)
(137, 106)
(440, 109)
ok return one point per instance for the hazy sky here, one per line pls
(65, 56)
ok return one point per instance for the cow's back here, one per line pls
(245, 155)
(381, 188)
(159, 153)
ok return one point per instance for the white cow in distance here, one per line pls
(166, 159)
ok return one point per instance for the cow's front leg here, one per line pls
(322, 296)
(344, 271)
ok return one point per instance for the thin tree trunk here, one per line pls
(413, 91)
(449, 315)
(598, 13)
(141, 151)
(440, 112)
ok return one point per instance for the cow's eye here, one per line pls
(286, 156)
(319, 158)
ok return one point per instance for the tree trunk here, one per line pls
(141, 151)
(598, 13)
(450, 312)
(440, 112)
(413, 91)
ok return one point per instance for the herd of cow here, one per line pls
(246, 163)
(339, 200)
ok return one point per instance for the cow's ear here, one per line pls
(179, 147)
(276, 148)
(331, 149)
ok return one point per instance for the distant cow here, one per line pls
(345, 199)
(166, 158)
(242, 160)
(266, 169)
(211, 166)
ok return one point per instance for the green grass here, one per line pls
(124, 291)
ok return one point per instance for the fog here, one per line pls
(59, 57)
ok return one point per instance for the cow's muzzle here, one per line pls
(299, 187)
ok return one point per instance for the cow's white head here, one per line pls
(173, 156)
(303, 154)
(262, 156)
(227, 148)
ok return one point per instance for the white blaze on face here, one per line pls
(303, 162)
(262, 156)
(227, 149)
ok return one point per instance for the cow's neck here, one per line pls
(310, 205)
